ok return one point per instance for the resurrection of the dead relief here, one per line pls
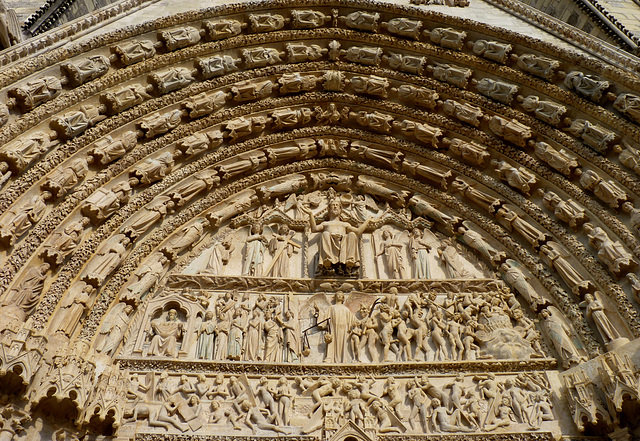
(326, 222)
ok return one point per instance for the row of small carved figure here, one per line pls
(39, 91)
(306, 405)
(421, 330)
(95, 66)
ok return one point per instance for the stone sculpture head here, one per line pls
(338, 298)
(334, 208)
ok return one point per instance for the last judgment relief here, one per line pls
(336, 221)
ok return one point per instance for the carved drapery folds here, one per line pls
(335, 187)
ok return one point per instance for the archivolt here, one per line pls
(601, 159)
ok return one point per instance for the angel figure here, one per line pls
(254, 251)
(420, 246)
(392, 250)
(454, 265)
(219, 257)
(282, 247)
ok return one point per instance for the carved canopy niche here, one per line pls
(343, 220)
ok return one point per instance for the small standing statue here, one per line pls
(254, 251)
(595, 311)
(204, 350)
(420, 247)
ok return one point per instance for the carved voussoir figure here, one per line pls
(107, 260)
(607, 191)
(463, 112)
(26, 294)
(629, 156)
(497, 90)
(611, 253)
(219, 29)
(125, 97)
(87, 69)
(153, 169)
(363, 151)
(172, 79)
(297, 82)
(555, 254)
(36, 92)
(596, 311)
(64, 242)
(406, 63)
(72, 308)
(559, 160)
(104, 202)
(386, 191)
(422, 132)
(381, 122)
(64, 178)
(134, 51)
(73, 123)
(184, 239)
(181, 37)
(517, 279)
(470, 152)
(299, 149)
(205, 103)
(491, 50)
(217, 66)
(188, 189)
(20, 153)
(561, 335)
(252, 90)
(146, 217)
(455, 75)
(594, 135)
(629, 105)
(146, 277)
(161, 123)
(370, 85)
(476, 241)
(261, 56)
(537, 65)
(447, 37)
(441, 176)
(511, 130)
(291, 117)
(23, 218)
(587, 86)
(107, 149)
(300, 52)
(422, 207)
(518, 178)
(362, 20)
(242, 127)
(417, 95)
(513, 221)
(307, 19)
(367, 55)
(267, 22)
(275, 189)
(547, 111)
(403, 26)
(244, 163)
(113, 328)
(566, 210)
